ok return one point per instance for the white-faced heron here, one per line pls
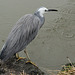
(24, 31)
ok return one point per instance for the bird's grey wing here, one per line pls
(21, 35)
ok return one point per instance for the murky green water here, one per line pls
(56, 39)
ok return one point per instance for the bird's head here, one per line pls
(43, 10)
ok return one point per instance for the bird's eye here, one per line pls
(45, 10)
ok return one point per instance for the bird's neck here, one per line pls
(42, 19)
(39, 14)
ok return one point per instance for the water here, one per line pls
(56, 39)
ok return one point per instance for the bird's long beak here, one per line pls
(52, 10)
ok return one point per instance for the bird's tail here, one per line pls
(1, 56)
(4, 56)
(3, 53)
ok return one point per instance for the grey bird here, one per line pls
(24, 31)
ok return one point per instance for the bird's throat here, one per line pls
(41, 14)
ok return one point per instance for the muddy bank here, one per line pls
(20, 67)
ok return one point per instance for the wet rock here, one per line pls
(18, 67)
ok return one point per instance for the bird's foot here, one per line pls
(20, 58)
(31, 63)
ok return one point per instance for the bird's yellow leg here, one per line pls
(26, 54)
(17, 56)
(29, 61)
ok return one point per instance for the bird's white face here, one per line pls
(42, 10)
